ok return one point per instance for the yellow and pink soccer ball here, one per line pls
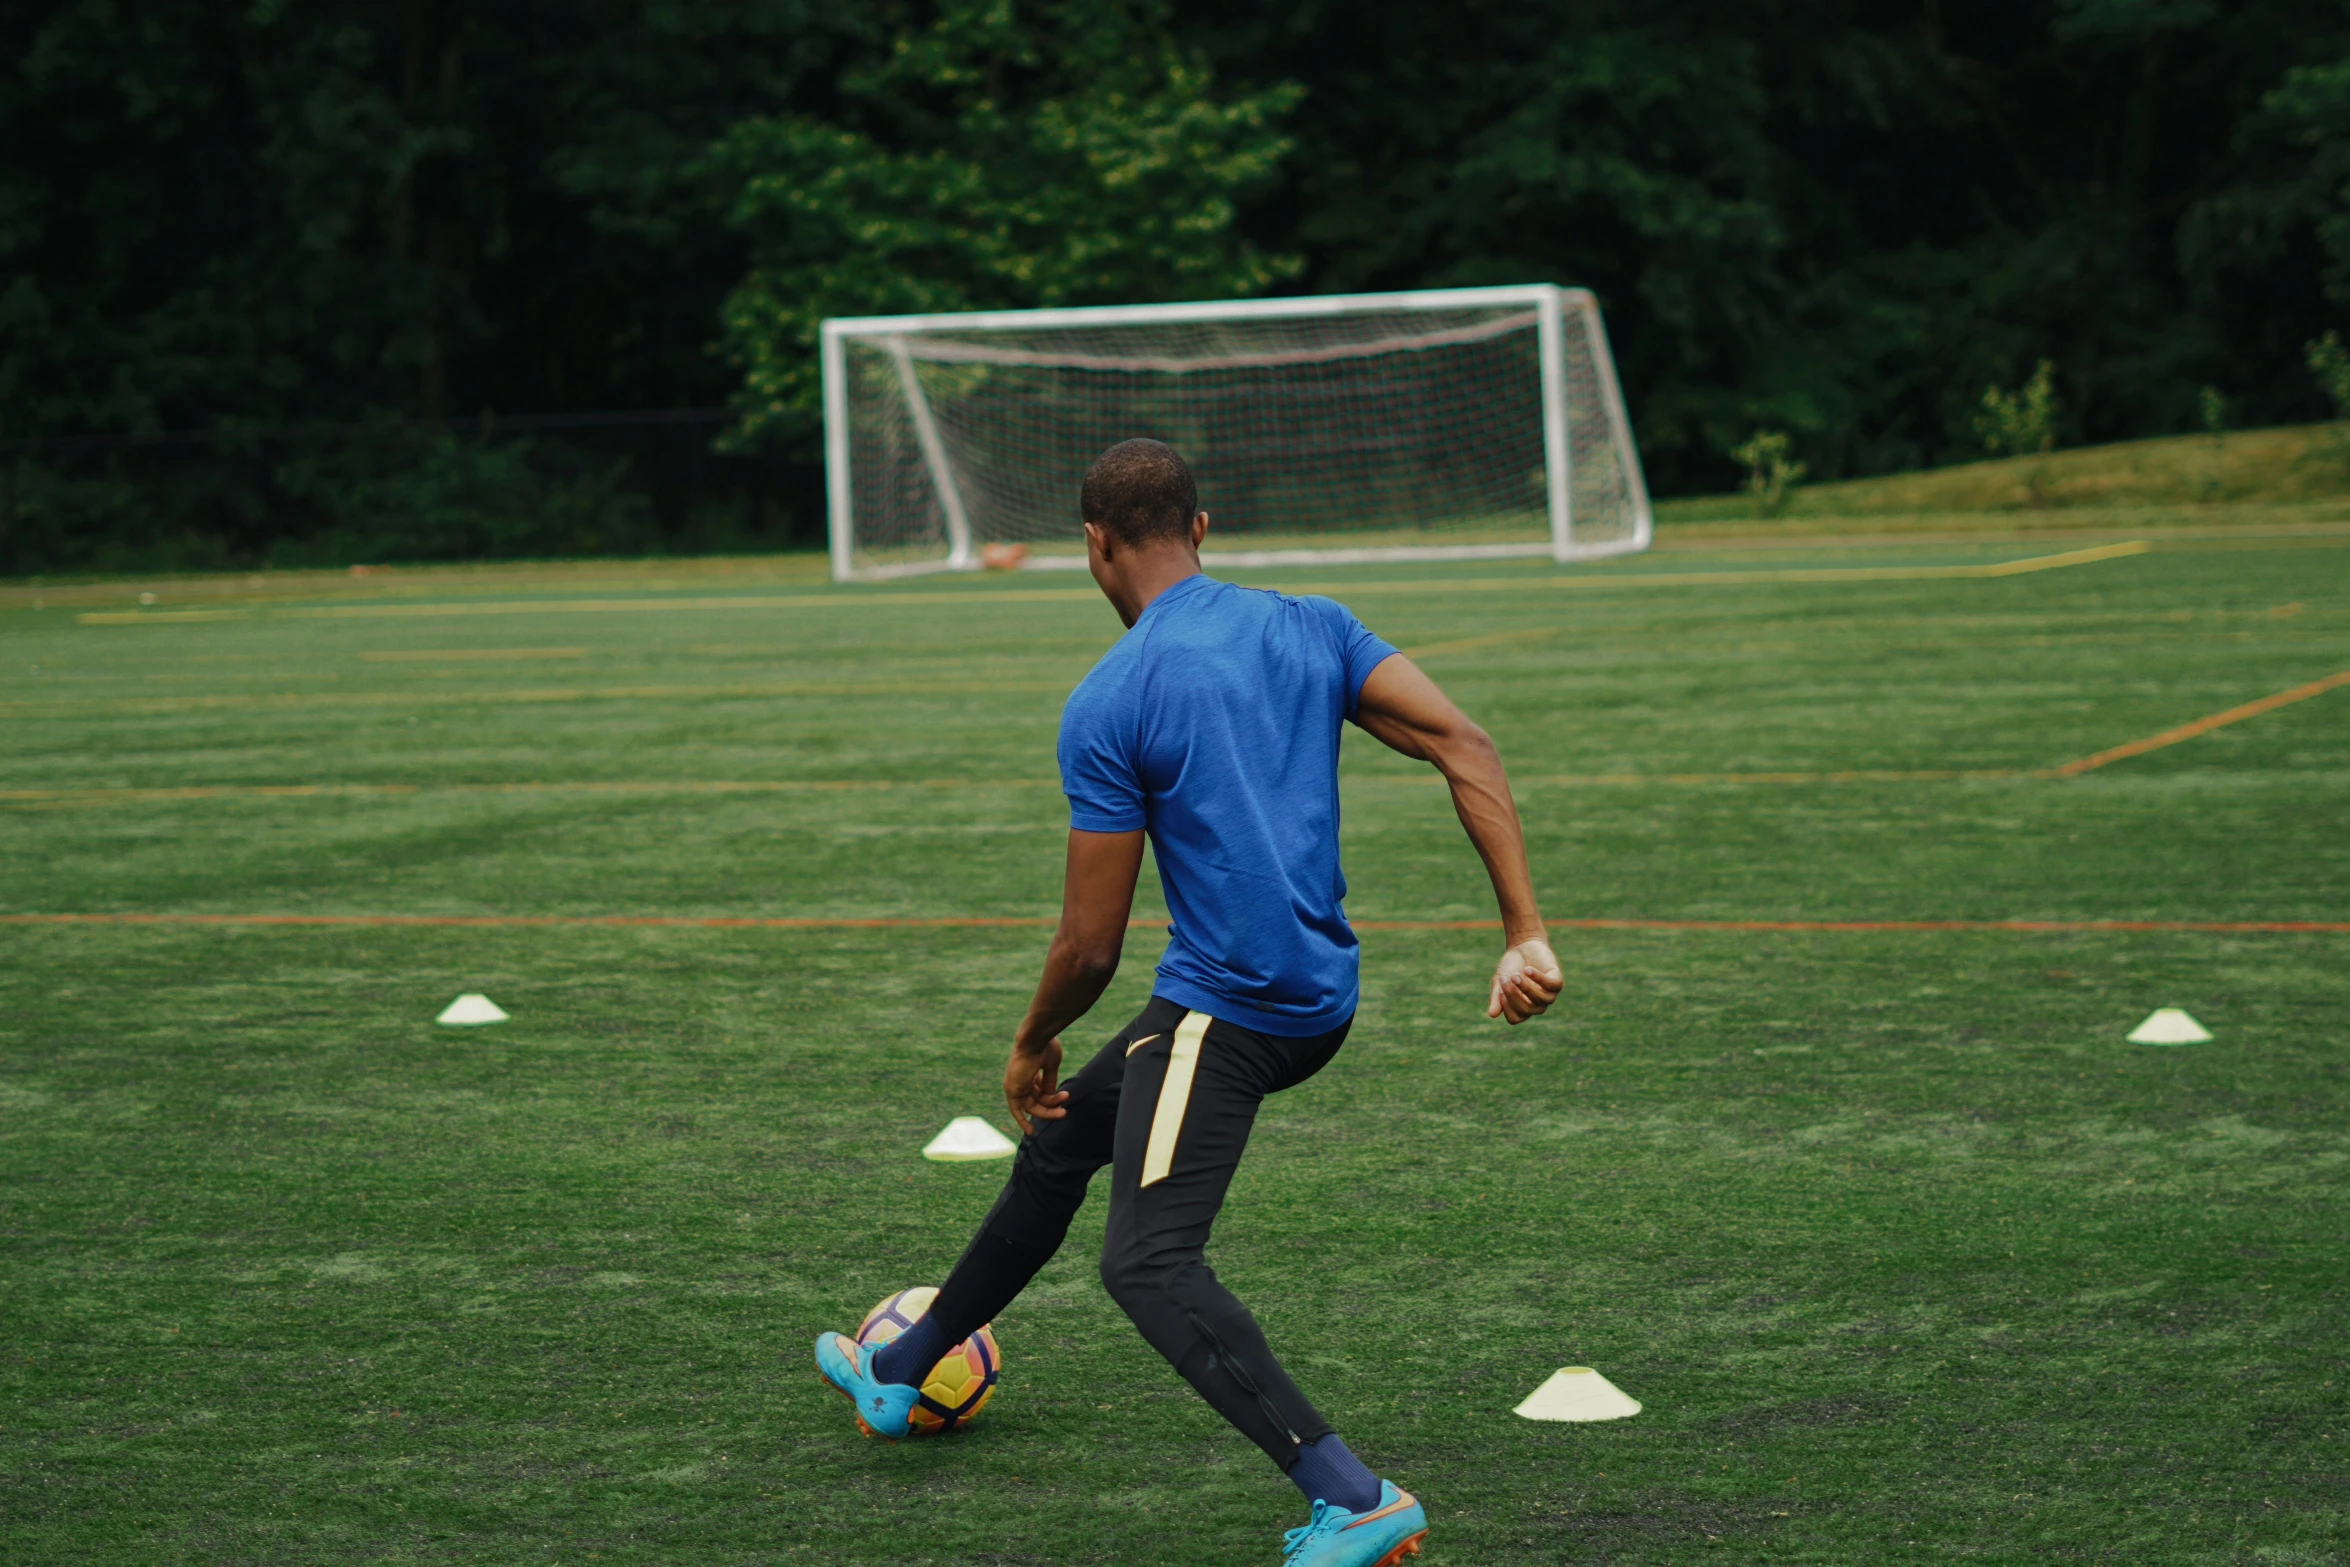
(960, 1385)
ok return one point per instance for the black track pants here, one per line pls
(1168, 1104)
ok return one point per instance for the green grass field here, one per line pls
(1910, 1257)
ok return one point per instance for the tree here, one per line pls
(2022, 423)
(2269, 254)
(1623, 147)
(277, 280)
(992, 155)
(268, 273)
(1839, 219)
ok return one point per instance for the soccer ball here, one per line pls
(960, 1385)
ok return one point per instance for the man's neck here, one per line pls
(1152, 572)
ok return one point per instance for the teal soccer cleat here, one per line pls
(1379, 1538)
(883, 1408)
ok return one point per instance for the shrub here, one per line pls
(2022, 422)
(2329, 366)
(1771, 474)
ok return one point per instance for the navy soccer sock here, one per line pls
(1327, 1472)
(907, 1359)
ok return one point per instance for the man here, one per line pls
(1212, 727)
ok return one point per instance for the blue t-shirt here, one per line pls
(1214, 723)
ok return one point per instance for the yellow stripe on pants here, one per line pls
(1174, 1097)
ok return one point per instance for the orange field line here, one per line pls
(1040, 921)
(68, 798)
(2244, 927)
(536, 921)
(2201, 726)
(72, 798)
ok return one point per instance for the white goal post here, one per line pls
(1449, 424)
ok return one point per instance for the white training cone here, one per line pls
(2169, 1026)
(968, 1137)
(468, 1011)
(1577, 1393)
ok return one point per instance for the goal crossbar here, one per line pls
(987, 354)
(979, 457)
(1291, 307)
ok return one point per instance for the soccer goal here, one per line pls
(1454, 424)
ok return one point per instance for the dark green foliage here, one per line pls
(242, 224)
(2329, 367)
(1842, 220)
(1908, 1254)
(2023, 422)
(298, 232)
(997, 157)
(399, 494)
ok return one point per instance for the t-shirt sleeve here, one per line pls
(1097, 763)
(1360, 650)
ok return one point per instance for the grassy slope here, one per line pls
(2302, 469)
(1908, 1256)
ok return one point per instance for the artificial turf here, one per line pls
(1908, 1255)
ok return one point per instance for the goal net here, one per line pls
(1452, 424)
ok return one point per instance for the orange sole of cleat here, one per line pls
(1410, 1547)
(859, 1418)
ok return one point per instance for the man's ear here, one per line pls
(1097, 539)
(1199, 530)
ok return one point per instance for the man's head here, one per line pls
(1143, 525)
(1139, 492)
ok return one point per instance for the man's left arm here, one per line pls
(1406, 711)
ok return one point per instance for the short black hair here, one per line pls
(1138, 491)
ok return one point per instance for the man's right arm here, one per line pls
(1406, 711)
(1097, 897)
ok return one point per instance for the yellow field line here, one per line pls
(1710, 780)
(52, 797)
(165, 796)
(1490, 639)
(2016, 568)
(466, 655)
(852, 599)
(249, 588)
(1651, 579)
(2202, 726)
(154, 617)
(645, 606)
(155, 706)
(1857, 775)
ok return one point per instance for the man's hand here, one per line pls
(1032, 1084)
(1097, 894)
(1525, 982)
(1403, 709)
